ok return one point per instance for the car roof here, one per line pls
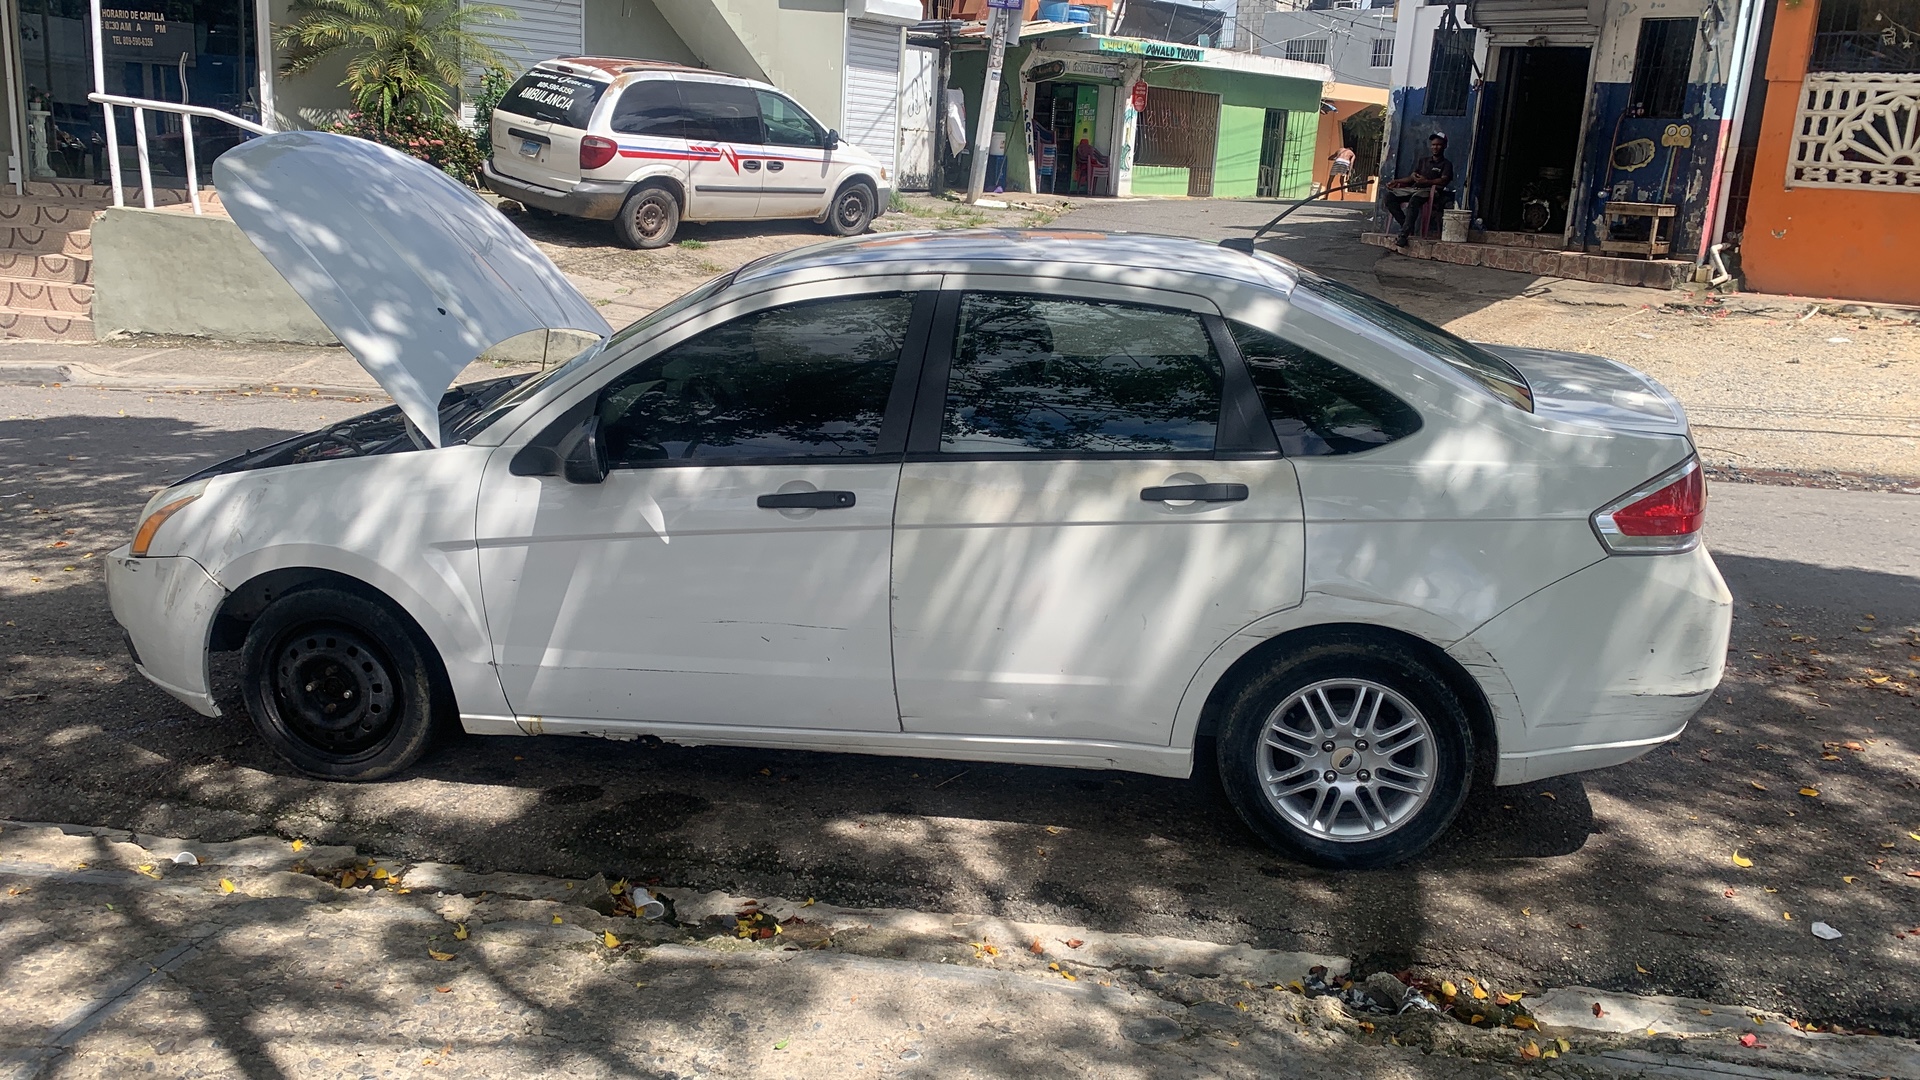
(617, 66)
(959, 250)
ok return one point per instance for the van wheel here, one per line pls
(340, 686)
(1349, 753)
(649, 219)
(852, 210)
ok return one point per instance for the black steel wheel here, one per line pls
(852, 210)
(339, 685)
(649, 219)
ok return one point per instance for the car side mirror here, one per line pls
(833, 140)
(586, 461)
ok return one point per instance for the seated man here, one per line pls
(1410, 196)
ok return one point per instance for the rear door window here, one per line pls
(721, 112)
(1037, 375)
(1317, 407)
(651, 107)
(554, 96)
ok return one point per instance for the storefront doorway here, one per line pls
(198, 51)
(1542, 98)
(1066, 155)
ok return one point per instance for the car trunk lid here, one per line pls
(1593, 389)
(538, 125)
(412, 271)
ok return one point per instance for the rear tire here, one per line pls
(852, 210)
(340, 686)
(648, 219)
(1350, 753)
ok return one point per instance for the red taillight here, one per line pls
(1660, 517)
(596, 151)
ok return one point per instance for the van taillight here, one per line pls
(596, 151)
(1662, 516)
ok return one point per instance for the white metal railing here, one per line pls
(186, 114)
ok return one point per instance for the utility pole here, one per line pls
(997, 21)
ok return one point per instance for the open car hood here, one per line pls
(414, 273)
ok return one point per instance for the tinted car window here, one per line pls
(651, 107)
(804, 381)
(553, 96)
(1500, 378)
(721, 112)
(1032, 374)
(1316, 406)
(787, 124)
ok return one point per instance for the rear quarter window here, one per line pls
(1317, 407)
(554, 96)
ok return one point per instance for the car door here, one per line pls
(724, 168)
(1091, 504)
(732, 570)
(798, 167)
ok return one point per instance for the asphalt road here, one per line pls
(1622, 879)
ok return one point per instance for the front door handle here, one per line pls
(1195, 493)
(775, 166)
(750, 166)
(810, 500)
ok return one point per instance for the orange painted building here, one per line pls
(1835, 204)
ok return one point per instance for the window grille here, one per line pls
(1382, 52)
(1450, 73)
(1660, 67)
(1867, 36)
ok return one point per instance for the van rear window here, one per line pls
(554, 96)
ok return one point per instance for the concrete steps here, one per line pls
(46, 254)
(44, 326)
(40, 266)
(1541, 262)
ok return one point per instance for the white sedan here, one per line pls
(1058, 498)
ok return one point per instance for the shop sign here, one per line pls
(1159, 50)
(1139, 96)
(145, 36)
(1044, 72)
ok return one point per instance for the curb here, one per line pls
(35, 373)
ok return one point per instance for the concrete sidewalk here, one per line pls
(250, 958)
(185, 365)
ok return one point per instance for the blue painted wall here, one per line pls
(1678, 175)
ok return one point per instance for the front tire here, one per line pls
(649, 219)
(339, 685)
(1349, 753)
(852, 210)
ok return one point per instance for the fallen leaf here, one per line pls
(1527, 911)
(438, 955)
(810, 902)
(1752, 1041)
(1524, 1023)
(781, 1045)
(1563, 1044)
(460, 932)
(443, 989)
(1787, 915)
(227, 885)
(1053, 830)
(1729, 893)
(1740, 860)
(147, 869)
(1073, 943)
(1479, 992)
(1366, 1027)
(1550, 795)
(1704, 1012)
(1641, 970)
(1848, 878)
(1597, 1010)
(557, 920)
(1811, 793)
(1913, 836)
(298, 845)
(1757, 785)
(1447, 989)
(1036, 948)
(1476, 1018)
(612, 942)
(1531, 1051)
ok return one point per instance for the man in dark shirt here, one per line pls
(1408, 197)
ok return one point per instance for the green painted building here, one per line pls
(1206, 122)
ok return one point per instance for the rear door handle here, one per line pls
(1195, 493)
(808, 500)
(774, 166)
(750, 166)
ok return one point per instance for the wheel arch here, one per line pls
(1480, 714)
(671, 183)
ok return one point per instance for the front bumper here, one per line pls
(166, 607)
(599, 200)
(1607, 663)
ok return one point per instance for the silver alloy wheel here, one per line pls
(1347, 760)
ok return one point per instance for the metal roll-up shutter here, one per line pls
(873, 88)
(544, 30)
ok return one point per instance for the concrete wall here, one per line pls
(166, 272)
(798, 45)
(633, 29)
(1244, 100)
(1856, 243)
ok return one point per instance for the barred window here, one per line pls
(1178, 127)
(1307, 50)
(1660, 67)
(1382, 52)
(1450, 73)
(1872, 36)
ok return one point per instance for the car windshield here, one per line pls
(554, 96)
(470, 426)
(1499, 377)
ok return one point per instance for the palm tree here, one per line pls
(405, 55)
